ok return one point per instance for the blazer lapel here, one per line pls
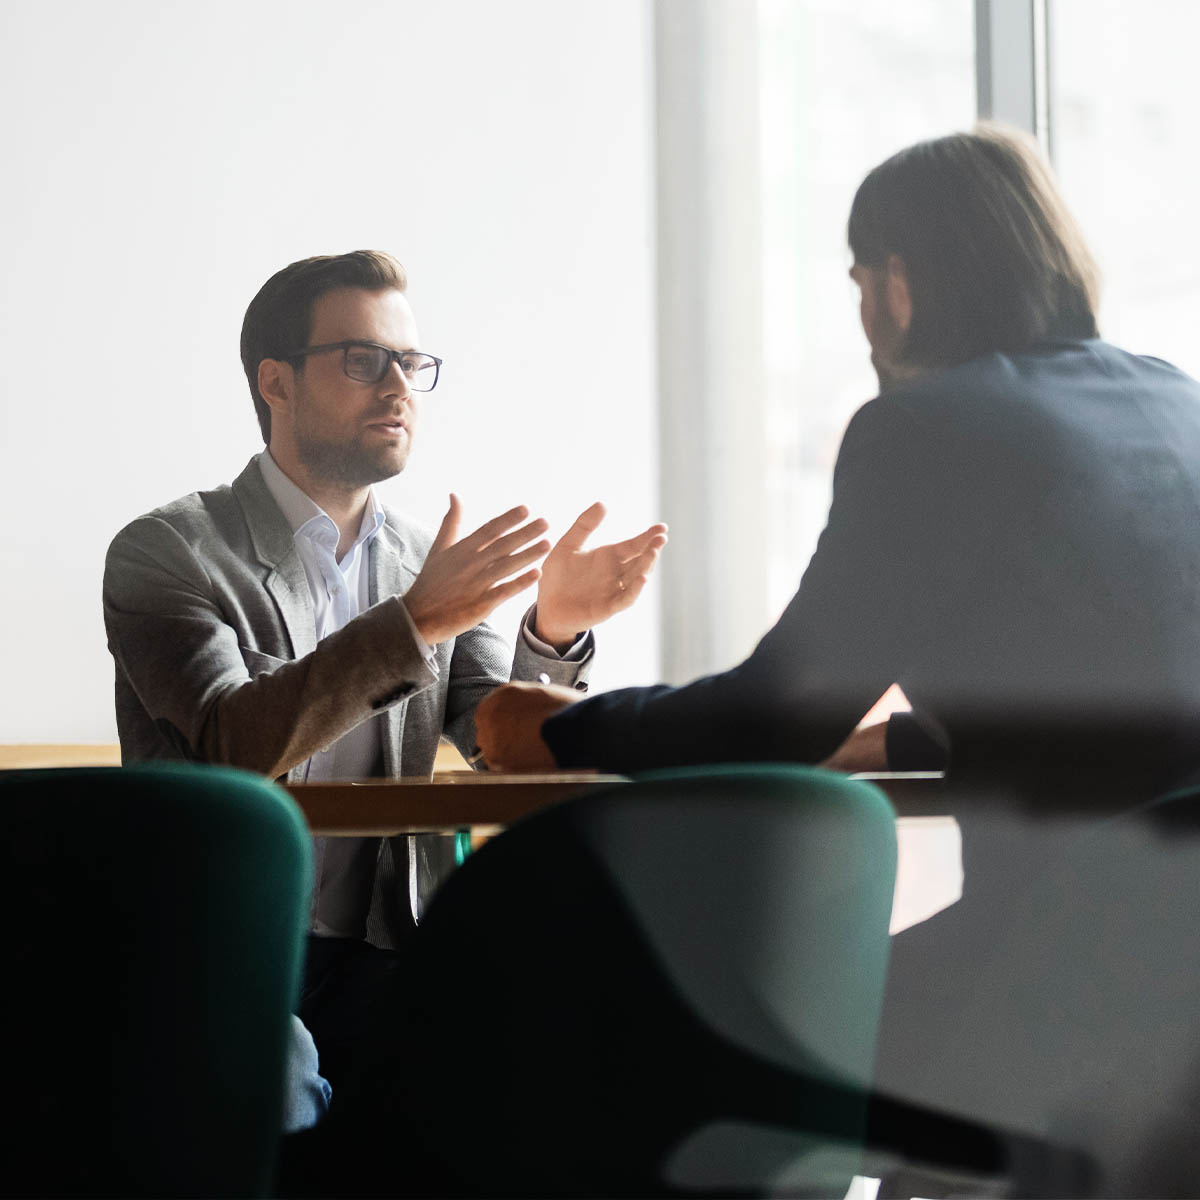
(276, 550)
(392, 573)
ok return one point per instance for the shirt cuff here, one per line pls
(574, 653)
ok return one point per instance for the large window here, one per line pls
(837, 88)
(842, 87)
(1124, 104)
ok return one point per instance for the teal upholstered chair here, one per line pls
(669, 987)
(154, 917)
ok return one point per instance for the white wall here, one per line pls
(161, 159)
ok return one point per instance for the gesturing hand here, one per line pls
(580, 588)
(462, 581)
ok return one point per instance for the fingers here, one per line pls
(508, 725)
(509, 554)
(585, 524)
(630, 591)
(499, 566)
(493, 552)
(447, 533)
(513, 587)
(514, 541)
(641, 564)
(654, 538)
(636, 571)
(634, 576)
(500, 529)
(497, 526)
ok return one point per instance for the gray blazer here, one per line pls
(211, 627)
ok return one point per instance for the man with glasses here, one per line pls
(292, 625)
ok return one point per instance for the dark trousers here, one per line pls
(351, 998)
(355, 1000)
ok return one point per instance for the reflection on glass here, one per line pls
(843, 86)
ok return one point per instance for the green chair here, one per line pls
(155, 917)
(669, 987)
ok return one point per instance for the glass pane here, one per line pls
(843, 86)
(1124, 103)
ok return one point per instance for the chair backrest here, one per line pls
(643, 990)
(155, 918)
(1061, 998)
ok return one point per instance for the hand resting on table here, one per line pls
(508, 725)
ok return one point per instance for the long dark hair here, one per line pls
(995, 261)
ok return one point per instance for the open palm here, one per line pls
(580, 588)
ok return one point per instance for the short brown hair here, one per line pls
(995, 261)
(279, 318)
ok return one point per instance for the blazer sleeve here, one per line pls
(171, 631)
(860, 617)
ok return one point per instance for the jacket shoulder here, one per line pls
(193, 517)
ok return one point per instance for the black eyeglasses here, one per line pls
(368, 362)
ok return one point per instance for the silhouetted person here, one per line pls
(1014, 535)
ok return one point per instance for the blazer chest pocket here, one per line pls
(258, 663)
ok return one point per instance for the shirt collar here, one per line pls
(306, 517)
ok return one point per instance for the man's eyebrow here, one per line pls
(373, 342)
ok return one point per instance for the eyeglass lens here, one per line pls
(369, 364)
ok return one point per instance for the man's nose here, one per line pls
(395, 382)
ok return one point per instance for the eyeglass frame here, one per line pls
(394, 356)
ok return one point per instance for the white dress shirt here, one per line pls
(344, 868)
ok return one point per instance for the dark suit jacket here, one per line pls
(1014, 540)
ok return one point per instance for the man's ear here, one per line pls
(899, 298)
(276, 381)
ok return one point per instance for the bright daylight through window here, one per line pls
(1123, 142)
(843, 86)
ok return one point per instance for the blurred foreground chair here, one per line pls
(155, 916)
(1061, 998)
(669, 987)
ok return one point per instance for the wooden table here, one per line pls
(455, 800)
(448, 802)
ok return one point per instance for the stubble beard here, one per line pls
(887, 350)
(348, 464)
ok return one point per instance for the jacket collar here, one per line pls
(275, 547)
(393, 565)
